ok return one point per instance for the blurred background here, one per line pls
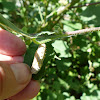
(73, 72)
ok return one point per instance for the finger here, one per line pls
(13, 79)
(11, 44)
(29, 92)
(10, 59)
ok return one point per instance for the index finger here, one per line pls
(10, 44)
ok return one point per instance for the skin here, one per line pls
(15, 76)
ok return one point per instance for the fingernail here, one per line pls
(22, 72)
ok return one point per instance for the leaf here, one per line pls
(91, 16)
(71, 98)
(64, 83)
(48, 36)
(29, 55)
(63, 64)
(56, 86)
(9, 6)
(71, 26)
(95, 95)
(60, 96)
(39, 38)
(61, 48)
(8, 25)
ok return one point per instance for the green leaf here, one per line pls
(29, 55)
(39, 38)
(9, 6)
(63, 64)
(61, 48)
(95, 95)
(47, 36)
(71, 26)
(8, 25)
(64, 83)
(56, 86)
(91, 16)
(60, 96)
(71, 98)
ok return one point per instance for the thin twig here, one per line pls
(59, 13)
(54, 17)
(87, 4)
(40, 13)
(82, 31)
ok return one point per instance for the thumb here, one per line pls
(13, 79)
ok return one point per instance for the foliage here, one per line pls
(71, 67)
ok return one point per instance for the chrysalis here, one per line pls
(38, 59)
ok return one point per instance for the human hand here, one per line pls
(15, 76)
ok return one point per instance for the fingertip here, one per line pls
(36, 88)
(10, 44)
(29, 92)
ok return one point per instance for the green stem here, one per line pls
(50, 22)
(42, 20)
(46, 7)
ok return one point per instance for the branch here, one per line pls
(60, 12)
(87, 4)
(82, 31)
(54, 17)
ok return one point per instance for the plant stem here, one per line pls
(46, 3)
(87, 4)
(59, 13)
(40, 13)
(82, 31)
